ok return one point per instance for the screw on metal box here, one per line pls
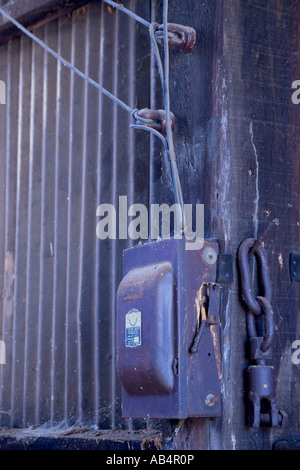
(211, 399)
(210, 255)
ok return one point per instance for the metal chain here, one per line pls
(261, 304)
(261, 376)
(258, 305)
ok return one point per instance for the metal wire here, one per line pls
(66, 63)
(120, 7)
(152, 30)
(153, 131)
(164, 77)
(171, 151)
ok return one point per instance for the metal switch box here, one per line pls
(162, 307)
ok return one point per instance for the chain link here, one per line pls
(261, 380)
(256, 305)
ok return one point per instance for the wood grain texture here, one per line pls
(238, 145)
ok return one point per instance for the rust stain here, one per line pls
(110, 9)
(82, 11)
(134, 295)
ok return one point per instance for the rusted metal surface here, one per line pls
(154, 118)
(181, 38)
(160, 376)
(145, 365)
(261, 376)
(262, 387)
(246, 278)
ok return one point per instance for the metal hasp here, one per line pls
(160, 309)
(262, 408)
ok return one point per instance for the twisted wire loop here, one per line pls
(257, 305)
(181, 38)
(154, 118)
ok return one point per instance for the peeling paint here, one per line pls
(200, 303)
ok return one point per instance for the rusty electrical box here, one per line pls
(168, 331)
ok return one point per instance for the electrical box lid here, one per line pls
(146, 330)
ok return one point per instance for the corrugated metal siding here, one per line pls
(65, 149)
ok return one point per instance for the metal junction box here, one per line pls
(167, 303)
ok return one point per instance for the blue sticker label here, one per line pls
(133, 328)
